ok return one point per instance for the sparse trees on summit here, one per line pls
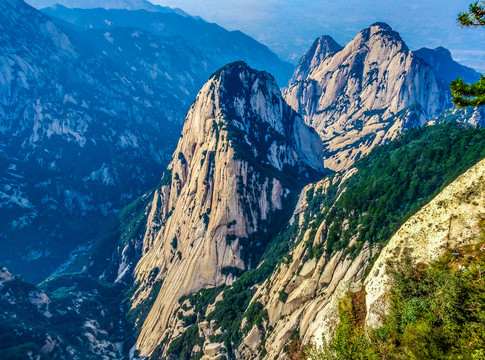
(470, 94)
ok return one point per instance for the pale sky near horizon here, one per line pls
(288, 27)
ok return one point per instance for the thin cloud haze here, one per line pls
(289, 27)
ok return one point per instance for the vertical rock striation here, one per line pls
(242, 156)
(363, 95)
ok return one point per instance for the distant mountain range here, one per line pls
(106, 4)
(289, 30)
(276, 212)
(218, 44)
(90, 118)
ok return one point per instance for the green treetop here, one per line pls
(475, 16)
(470, 94)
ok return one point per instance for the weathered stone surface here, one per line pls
(227, 177)
(363, 95)
(449, 220)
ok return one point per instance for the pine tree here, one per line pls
(475, 15)
(470, 94)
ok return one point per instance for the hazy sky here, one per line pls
(289, 26)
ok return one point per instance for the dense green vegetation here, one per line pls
(475, 16)
(470, 94)
(183, 346)
(391, 184)
(436, 312)
(166, 179)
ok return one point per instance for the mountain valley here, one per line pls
(112, 102)
(339, 217)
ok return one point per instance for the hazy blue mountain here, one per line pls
(445, 67)
(66, 317)
(218, 44)
(288, 27)
(88, 122)
(106, 4)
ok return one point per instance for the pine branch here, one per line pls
(475, 15)
(468, 94)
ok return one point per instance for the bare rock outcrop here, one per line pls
(242, 153)
(448, 221)
(363, 95)
(314, 287)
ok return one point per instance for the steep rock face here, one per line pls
(313, 289)
(321, 48)
(450, 220)
(303, 294)
(241, 156)
(365, 94)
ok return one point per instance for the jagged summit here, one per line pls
(321, 48)
(382, 25)
(235, 65)
(365, 94)
(243, 95)
(382, 33)
(385, 30)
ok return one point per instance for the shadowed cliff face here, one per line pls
(446, 69)
(365, 94)
(242, 157)
(87, 121)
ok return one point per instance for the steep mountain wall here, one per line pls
(365, 94)
(314, 287)
(240, 160)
